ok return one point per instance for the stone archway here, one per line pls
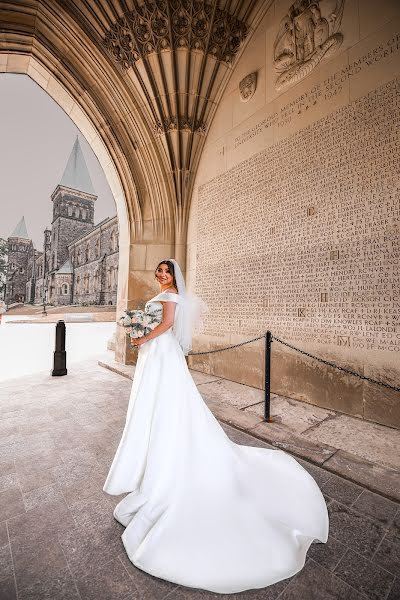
(126, 198)
(144, 106)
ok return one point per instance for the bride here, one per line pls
(202, 511)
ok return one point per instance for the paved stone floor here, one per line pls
(58, 538)
(363, 452)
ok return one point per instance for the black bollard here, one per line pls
(267, 374)
(60, 356)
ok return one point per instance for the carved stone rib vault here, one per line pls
(149, 74)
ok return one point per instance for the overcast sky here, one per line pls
(36, 139)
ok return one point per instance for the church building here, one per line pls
(79, 260)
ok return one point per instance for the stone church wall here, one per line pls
(18, 255)
(95, 260)
(65, 230)
(62, 289)
(111, 278)
(295, 220)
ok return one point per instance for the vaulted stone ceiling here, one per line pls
(150, 73)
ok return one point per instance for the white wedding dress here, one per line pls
(203, 511)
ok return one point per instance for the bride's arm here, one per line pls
(166, 323)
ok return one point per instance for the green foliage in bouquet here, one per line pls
(140, 322)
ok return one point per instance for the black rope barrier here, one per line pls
(269, 338)
(227, 347)
(330, 364)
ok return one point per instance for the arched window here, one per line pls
(65, 289)
(69, 208)
(97, 247)
(113, 241)
(112, 275)
(87, 253)
(79, 256)
(83, 213)
(77, 212)
(96, 281)
(78, 285)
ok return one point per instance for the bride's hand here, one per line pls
(138, 341)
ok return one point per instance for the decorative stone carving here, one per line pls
(247, 87)
(307, 34)
(194, 25)
(179, 124)
(178, 52)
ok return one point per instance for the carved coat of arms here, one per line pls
(307, 34)
(247, 87)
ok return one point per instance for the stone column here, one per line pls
(138, 259)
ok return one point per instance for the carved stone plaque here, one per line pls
(332, 277)
(307, 33)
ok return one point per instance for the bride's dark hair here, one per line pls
(171, 268)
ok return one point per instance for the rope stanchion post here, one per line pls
(269, 338)
(60, 355)
(267, 378)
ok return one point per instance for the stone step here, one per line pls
(375, 477)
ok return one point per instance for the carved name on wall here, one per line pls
(303, 238)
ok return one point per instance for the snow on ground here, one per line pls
(27, 348)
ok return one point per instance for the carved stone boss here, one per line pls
(247, 87)
(158, 25)
(307, 33)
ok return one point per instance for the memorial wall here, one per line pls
(296, 213)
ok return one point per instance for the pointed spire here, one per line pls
(76, 174)
(20, 230)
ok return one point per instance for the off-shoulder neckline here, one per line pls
(161, 293)
(175, 293)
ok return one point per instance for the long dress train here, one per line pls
(202, 511)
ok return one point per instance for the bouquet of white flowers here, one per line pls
(140, 322)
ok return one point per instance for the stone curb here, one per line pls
(377, 478)
(120, 369)
(55, 320)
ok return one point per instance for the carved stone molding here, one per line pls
(247, 87)
(307, 33)
(179, 54)
(179, 124)
(158, 25)
(152, 72)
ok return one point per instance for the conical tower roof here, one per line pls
(20, 230)
(76, 174)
